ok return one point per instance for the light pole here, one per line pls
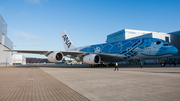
(6, 61)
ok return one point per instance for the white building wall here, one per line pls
(5, 57)
(161, 36)
(18, 59)
(129, 34)
(134, 33)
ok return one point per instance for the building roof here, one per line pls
(175, 33)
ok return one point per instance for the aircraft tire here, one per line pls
(162, 64)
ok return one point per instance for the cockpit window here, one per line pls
(157, 42)
(166, 44)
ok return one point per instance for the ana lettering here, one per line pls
(67, 42)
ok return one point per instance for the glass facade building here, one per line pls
(5, 44)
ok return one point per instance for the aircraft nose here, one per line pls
(174, 50)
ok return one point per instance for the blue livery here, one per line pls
(138, 49)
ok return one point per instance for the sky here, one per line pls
(36, 24)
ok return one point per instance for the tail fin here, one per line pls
(66, 41)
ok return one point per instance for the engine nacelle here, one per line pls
(55, 57)
(92, 59)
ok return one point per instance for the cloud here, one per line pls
(25, 36)
(35, 1)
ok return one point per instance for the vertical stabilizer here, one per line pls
(66, 41)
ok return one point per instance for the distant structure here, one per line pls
(173, 38)
(40, 61)
(5, 44)
(67, 60)
(18, 59)
(36, 60)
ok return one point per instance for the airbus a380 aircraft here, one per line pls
(139, 49)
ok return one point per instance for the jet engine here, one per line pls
(92, 59)
(55, 57)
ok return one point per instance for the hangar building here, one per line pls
(5, 44)
(173, 38)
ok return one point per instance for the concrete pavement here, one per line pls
(127, 84)
(29, 83)
(82, 83)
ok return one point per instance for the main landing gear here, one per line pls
(163, 64)
(98, 65)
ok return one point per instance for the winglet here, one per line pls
(66, 41)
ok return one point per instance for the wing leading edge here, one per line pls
(29, 51)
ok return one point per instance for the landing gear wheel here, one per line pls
(162, 64)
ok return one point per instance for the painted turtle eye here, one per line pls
(157, 42)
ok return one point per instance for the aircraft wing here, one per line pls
(29, 51)
(47, 52)
(104, 57)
